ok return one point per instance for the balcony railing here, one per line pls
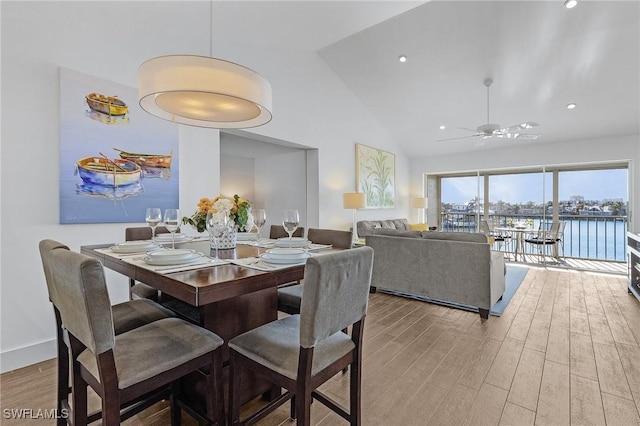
(587, 237)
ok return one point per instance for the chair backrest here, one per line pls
(484, 227)
(335, 293)
(277, 231)
(338, 239)
(143, 232)
(561, 229)
(46, 246)
(83, 299)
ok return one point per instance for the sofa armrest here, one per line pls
(497, 274)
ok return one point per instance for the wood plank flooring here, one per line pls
(566, 351)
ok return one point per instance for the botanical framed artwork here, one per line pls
(376, 176)
(115, 159)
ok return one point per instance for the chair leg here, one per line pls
(303, 408)
(234, 383)
(215, 405)
(176, 411)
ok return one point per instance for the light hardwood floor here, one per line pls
(566, 351)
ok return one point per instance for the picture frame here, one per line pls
(115, 159)
(376, 176)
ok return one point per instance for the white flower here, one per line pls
(223, 205)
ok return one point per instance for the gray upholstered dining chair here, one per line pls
(289, 296)
(126, 317)
(277, 231)
(139, 290)
(300, 352)
(126, 369)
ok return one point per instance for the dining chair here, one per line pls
(277, 231)
(301, 352)
(139, 290)
(289, 296)
(126, 316)
(131, 370)
(545, 238)
(496, 239)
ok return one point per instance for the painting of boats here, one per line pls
(109, 105)
(147, 160)
(106, 172)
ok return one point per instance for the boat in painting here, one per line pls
(109, 105)
(147, 160)
(106, 172)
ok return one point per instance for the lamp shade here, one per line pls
(353, 200)
(204, 92)
(419, 203)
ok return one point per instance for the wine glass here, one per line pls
(290, 222)
(259, 219)
(153, 218)
(216, 225)
(172, 223)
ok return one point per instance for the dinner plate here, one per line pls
(166, 238)
(295, 242)
(134, 247)
(284, 261)
(287, 253)
(160, 261)
(171, 255)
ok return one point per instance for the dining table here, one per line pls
(230, 295)
(518, 234)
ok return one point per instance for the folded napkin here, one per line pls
(261, 265)
(204, 262)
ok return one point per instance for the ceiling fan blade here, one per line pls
(518, 127)
(526, 136)
(466, 128)
(461, 137)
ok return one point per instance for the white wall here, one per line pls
(614, 149)
(312, 107)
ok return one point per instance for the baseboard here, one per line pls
(27, 355)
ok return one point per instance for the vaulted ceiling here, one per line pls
(540, 56)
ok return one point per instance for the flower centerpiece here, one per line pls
(237, 209)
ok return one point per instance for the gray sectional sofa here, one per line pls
(444, 267)
(368, 227)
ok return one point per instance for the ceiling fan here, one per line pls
(489, 129)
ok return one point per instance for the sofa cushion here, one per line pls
(471, 237)
(397, 233)
(366, 227)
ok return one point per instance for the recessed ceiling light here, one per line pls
(402, 58)
(570, 4)
(571, 106)
(442, 127)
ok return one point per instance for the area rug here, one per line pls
(513, 278)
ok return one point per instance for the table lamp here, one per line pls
(355, 201)
(420, 203)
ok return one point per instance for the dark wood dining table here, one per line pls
(230, 299)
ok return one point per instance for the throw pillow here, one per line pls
(418, 226)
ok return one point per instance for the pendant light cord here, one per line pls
(211, 30)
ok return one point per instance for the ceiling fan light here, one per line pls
(204, 92)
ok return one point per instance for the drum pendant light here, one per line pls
(204, 91)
